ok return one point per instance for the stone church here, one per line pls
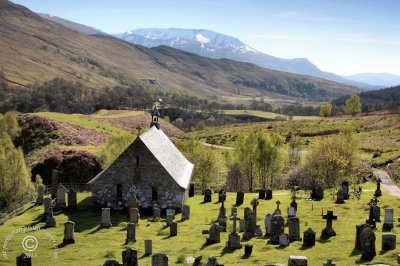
(151, 167)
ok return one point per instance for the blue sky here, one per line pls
(341, 36)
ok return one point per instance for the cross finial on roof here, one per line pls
(154, 118)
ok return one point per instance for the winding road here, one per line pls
(387, 183)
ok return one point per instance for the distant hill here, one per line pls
(34, 49)
(217, 45)
(377, 79)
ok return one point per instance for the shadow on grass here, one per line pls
(305, 247)
(168, 237)
(280, 247)
(227, 251)
(144, 256)
(206, 244)
(323, 240)
(204, 202)
(355, 252)
(95, 230)
(245, 256)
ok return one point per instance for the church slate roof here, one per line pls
(173, 161)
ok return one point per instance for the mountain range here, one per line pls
(34, 49)
(377, 79)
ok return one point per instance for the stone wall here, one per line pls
(140, 178)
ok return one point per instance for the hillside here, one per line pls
(34, 49)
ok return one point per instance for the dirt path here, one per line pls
(216, 146)
(387, 183)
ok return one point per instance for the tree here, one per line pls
(246, 156)
(353, 105)
(325, 110)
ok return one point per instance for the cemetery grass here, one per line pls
(95, 244)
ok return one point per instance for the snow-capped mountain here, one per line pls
(216, 45)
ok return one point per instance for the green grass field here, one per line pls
(269, 115)
(95, 244)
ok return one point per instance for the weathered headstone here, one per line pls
(130, 233)
(248, 249)
(159, 259)
(297, 261)
(367, 240)
(173, 229)
(309, 238)
(378, 191)
(268, 194)
(169, 219)
(133, 203)
(46, 205)
(345, 189)
(24, 260)
(398, 258)
(50, 220)
(105, 217)
(69, 229)
(134, 215)
(55, 175)
(250, 227)
(284, 240)
(40, 194)
(192, 187)
(340, 196)
(222, 218)
(329, 262)
(72, 200)
(294, 229)
(129, 257)
(277, 210)
(388, 241)
(221, 195)
(371, 219)
(148, 247)
(388, 220)
(376, 210)
(242, 225)
(185, 212)
(157, 213)
(215, 234)
(234, 238)
(111, 262)
(328, 230)
(293, 204)
(291, 212)
(277, 228)
(170, 211)
(207, 195)
(267, 224)
(212, 261)
(233, 211)
(261, 193)
(239, 198)
(317, 193)
(61, 203)
(359, 229)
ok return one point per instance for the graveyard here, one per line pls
(94, 244)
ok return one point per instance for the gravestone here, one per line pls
(376, 211)
(317, 193)
(133, 203)
(129, 257)
(388, 242)
(105, 217)
(55, 175)
(134, 215)
(293, 204)
(233, 211)
(388, 220)
(277, 210)
(148, 247)
(309, 238)
(171, 211)
(378, 191)
(215, 234)
(159, 259)
(169, 219)
(339, 196)
(173, 229)
(262, 194)
(212, 261)
(255, 203)
(239, 198)
(111, 262)
(277, 228)
(267, 224)
(248, 249)
(367, 240)
(297, 261)
(359, 229)
(40, 194)
(284, 240)
(207, 195)
(69, 229)
(222, 214)
(24, 260)
(242, 225)
(329, 262)
(72, 201)
(60, 202)
(291, 212)
(46, 205)
(328, 230)
(221, 195)
(157, 213)
(50, 220)
(398, 258)
(294, 229)
(192, 187)
(130, 233)
(371, 219)
(250, 227)
(345, 189)
(234, 238)
(185, 212)
(268, 194)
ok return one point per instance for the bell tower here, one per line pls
(154, 118)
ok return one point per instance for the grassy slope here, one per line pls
(269, 115)
(94, 244)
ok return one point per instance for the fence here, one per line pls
(16, 209)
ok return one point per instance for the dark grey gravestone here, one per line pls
(297, 261)
(309, 238)
(359, 229)
(262, 194)
(294, 229)
(277, 228)
(159, 259)
(248, 249)
(268, 194)
(24, 260)
(72, 200)
(215, 234)
(173, 229)
(328, 230)
(131, 233)
(239, 198)
(345, 189)
(388, 242)
(367, 240)
(129, 257)
(192, 189)
(207, 195)
(317, 193)
(378, 191)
